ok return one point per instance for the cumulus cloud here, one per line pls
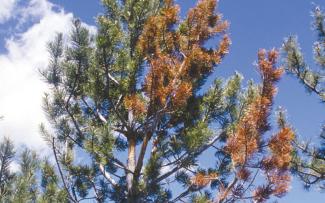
(21, 87)
(6, 8)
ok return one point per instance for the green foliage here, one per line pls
(128, 100)
(194, 137)
(296, 65)
(24, 185)
(200, 199)
(309, 162)
(6, 176)
(88, 78)
(295, 62)
(49, 185)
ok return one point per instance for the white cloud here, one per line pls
(21, 87)
(6, 8)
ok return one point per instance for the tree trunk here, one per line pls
(131, 167)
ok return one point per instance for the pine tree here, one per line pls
(50, 187)
(311, 168)
(23, 184)
(6, 176)
(248, 151)
(131, 116)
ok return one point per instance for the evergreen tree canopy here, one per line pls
(311, 167)
(6, 177)
(23, 184)
(130, 101)
(135, 108)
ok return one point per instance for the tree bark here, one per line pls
(131, 167)
(139, 165)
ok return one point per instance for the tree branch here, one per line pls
(61, 173)
(189, 156)
(106, 175)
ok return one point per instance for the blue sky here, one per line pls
(254, 24)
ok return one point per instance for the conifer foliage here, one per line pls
(23, 184)
(246, 139)
(6, 156)
(311, 166)
(132, 117)
(248, 150)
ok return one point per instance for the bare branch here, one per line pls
(107, 175)
(113, 79)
